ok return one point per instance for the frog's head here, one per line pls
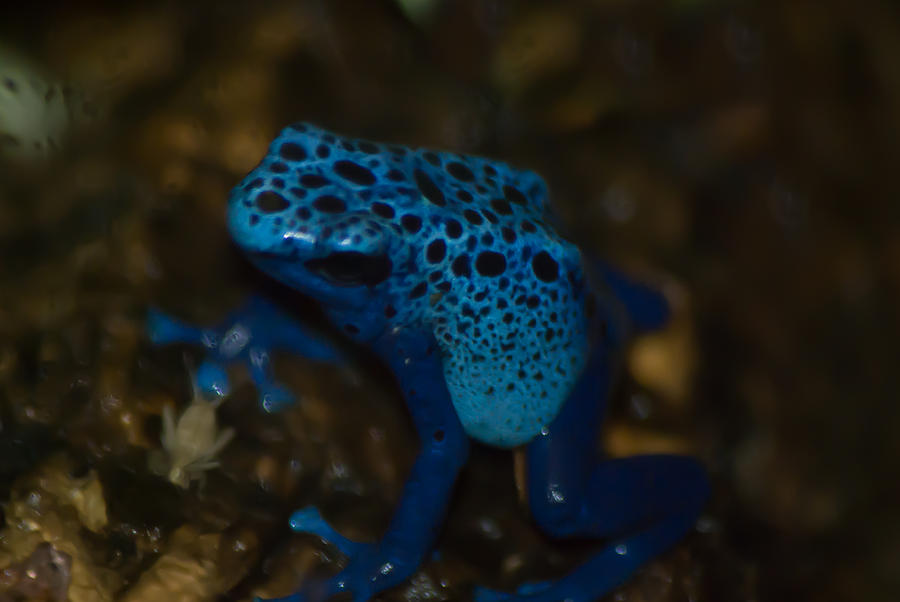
(386, 235)
(313, 216)
(338, 256)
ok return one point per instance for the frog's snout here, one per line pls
(264, 220)
(346, 249)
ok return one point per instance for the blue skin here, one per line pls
(444, 266)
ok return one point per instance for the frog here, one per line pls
(449, 268)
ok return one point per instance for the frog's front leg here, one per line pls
(248, 334)
(642, 504)
(372, 568)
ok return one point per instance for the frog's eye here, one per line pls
(351, 268)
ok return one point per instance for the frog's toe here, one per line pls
(526, 591)
(322, 590)
(533, 588)
(164, 329)
(354, 579)
(483, 594)
(212, 379)
(274, 398)
(309, 520)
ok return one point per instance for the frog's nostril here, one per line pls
(271, 202)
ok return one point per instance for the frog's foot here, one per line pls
(526, 591)
(359, 581)
(366, 572)
(212, 380)
(210, 377)
(274, 398)
(237, 340)
(246, 335)
(309, 520)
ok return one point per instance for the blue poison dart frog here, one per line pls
(496, 328)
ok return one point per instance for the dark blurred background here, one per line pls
(741, 155)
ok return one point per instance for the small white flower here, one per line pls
(193, 440)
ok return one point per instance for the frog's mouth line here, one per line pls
(351, 268)
(338, 280)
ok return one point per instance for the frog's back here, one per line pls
(510, 310)
(473, 261)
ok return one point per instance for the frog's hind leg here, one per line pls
(417, 519)
(642, 505)
(645, 307)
